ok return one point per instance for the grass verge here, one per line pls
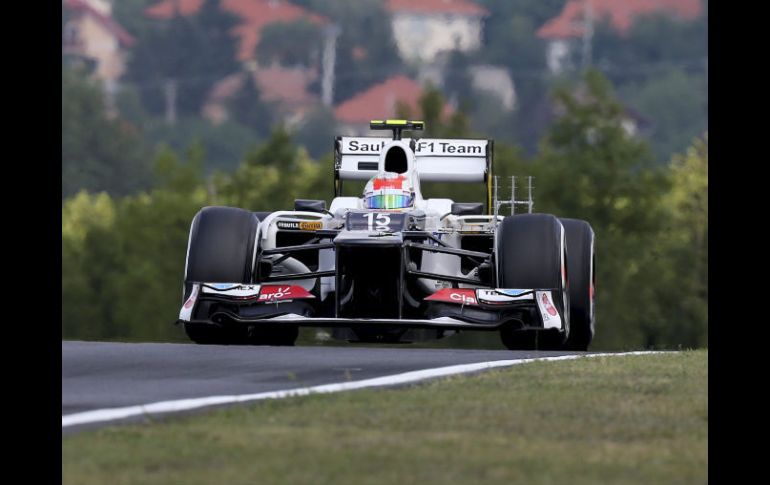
(620, 420)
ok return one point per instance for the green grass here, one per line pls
(619, 420)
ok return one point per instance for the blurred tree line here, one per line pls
(99, 152)
(659, 68)
(123, 255)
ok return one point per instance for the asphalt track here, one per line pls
(101, 375)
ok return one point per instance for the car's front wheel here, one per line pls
(221, 250)
(532, 253)
(581, 260)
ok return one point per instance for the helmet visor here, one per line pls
(388, 201)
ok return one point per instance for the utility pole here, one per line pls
(170, 94)
(169, 88)
(588, 32)
(110, 90)
(327, 64)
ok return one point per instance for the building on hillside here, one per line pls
(285, 88)
(255, 15)
(380, 101)
(496, 81)
(565, 32)
(423, 29)
(489, 79)
(93, 38)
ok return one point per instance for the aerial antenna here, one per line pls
(588, 32)
(529, 202)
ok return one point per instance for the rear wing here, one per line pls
(436, 160)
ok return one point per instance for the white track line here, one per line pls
(178, 405)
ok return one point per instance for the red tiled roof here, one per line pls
(166, 8)
(287, 86)
(621, 13)
(255, 14)
(460, 7)
(107, 22)
(380, 101)
(227, 87)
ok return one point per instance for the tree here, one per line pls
(432, 110)
(687, 247)
(538, 10)
(660, 68)
(510, 40)
(458, 84)
(225, 144)
(188, 54)
(676, 102)
(130, 15)
(123, 259)
(271, 176)
(366, 51)
(152, 233)
(247, 108)
(317, 131)
(510, 32)
(83, 215)
(290, 44)
(98, 153)
(590, 168)
(652, 39)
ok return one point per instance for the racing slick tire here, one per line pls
(220, 250)
(221, 247)
(532, 253)
(581, 262)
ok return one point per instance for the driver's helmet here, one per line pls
(388, 190)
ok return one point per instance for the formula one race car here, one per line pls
(392, 266)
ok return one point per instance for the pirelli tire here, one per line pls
(532, 253)
(581, 261)
(220, 250)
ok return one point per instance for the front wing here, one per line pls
(447, 308)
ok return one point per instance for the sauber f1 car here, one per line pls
(392, 266)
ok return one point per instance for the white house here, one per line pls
(422, 29)
(494, 80)
(565, 32)
(91, 35)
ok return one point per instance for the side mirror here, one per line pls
(309, 205)
(467, 208)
